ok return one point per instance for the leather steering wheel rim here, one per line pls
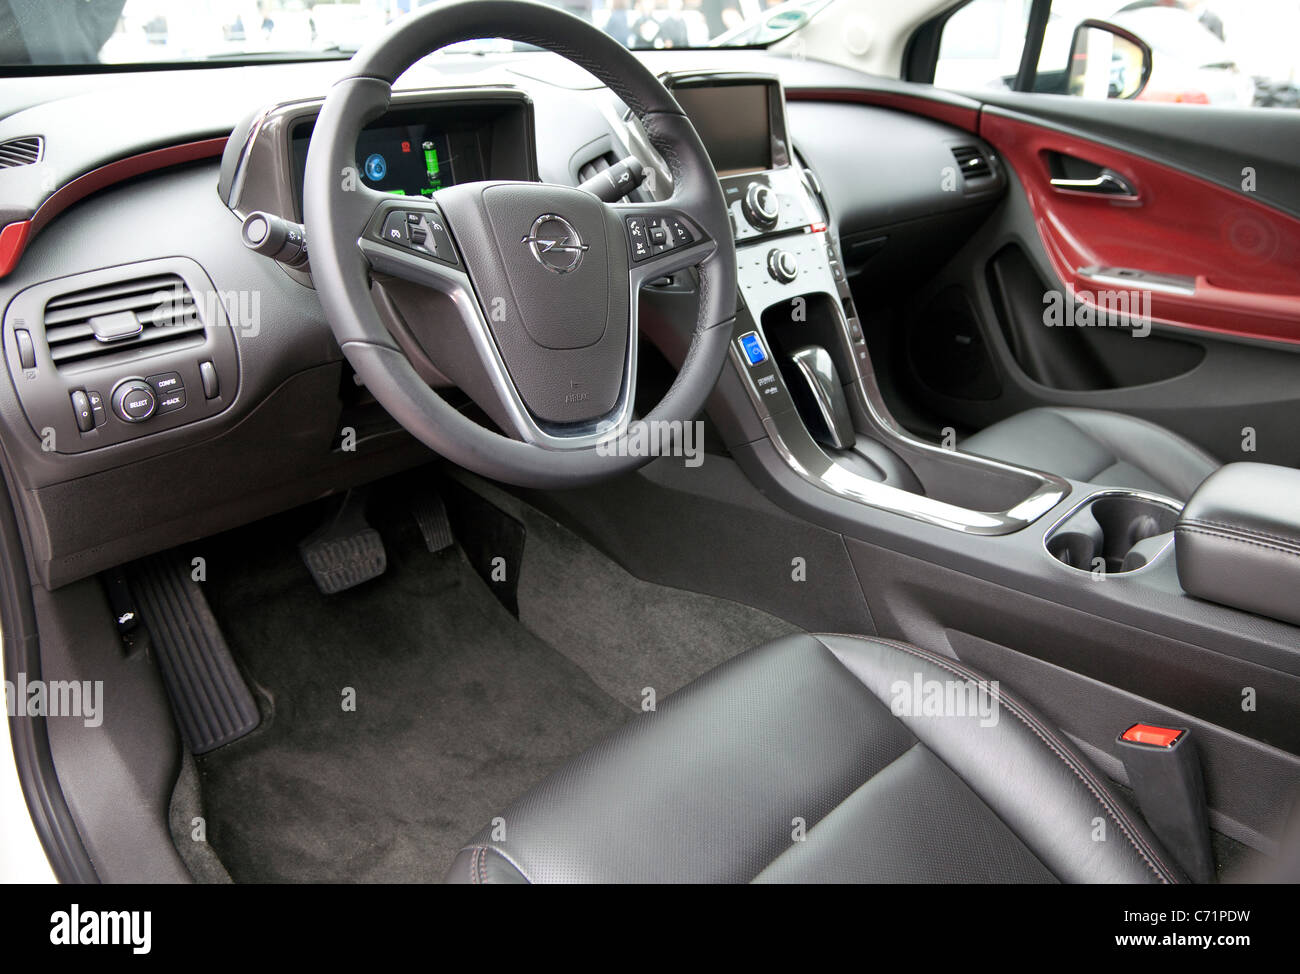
(334, 216)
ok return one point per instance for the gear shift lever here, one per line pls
(814, 365)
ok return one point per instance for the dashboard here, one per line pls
(253, 390)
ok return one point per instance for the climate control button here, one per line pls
(134, 401)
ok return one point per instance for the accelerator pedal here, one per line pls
(431, 514)
(212, 703)
(346, 551)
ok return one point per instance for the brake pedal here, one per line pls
(346, 551)
(212, 703)
(431, 515)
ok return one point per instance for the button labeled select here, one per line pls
(134, 401)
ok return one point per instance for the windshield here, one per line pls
(87, 32)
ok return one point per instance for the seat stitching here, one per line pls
(486, 850)
(1045, 735)
(1095, 785)
(1231, 532)
(1289, 539)
(1098, 787)
(1224, 536)
(1054, 743)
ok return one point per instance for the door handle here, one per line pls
(1106, 183)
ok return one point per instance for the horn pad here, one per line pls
(554, 290)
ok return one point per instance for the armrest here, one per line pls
(1238, 540)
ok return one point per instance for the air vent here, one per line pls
(20, 152)
(971, 162)
(596, 166)
(156, 313)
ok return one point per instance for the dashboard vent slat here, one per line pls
(162, 305)
(21, 152)
(971, 162)
(596, 166)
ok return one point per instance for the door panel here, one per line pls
(1218, 366)
(1242, 258)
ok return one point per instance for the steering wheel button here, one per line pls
(681, 235)
(439, 241)
(638, 235)
(394, 231)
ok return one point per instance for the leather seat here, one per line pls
(1098, 447)
(714, 785)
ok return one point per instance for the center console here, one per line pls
(799, 346)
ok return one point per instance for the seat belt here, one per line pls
(1164, 772)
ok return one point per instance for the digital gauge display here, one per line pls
(405, 160)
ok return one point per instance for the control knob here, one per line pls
(134, 401)
(781, 264)
(761, 206)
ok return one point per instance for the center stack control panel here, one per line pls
(785, 246)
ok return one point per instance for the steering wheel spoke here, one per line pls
(410, 239)
(661, 240)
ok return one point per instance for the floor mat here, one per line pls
(628, 634)
(458, 710)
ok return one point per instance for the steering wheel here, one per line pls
(544, 278)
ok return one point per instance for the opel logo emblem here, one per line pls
(555, 243)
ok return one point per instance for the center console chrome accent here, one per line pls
(790, 436)
(787, 433)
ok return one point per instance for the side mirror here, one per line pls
(1107, 61)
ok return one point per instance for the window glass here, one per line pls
(1238, 54)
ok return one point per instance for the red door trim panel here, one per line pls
(1243, 255)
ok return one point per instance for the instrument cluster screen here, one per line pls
(405, 160)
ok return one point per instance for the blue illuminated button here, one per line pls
(376, 167)
(752, 346)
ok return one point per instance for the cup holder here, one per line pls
(1125, 529)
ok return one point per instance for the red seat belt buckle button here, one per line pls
(1152, 735)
